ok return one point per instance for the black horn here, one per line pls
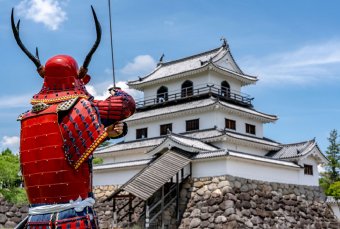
(34, 59)
(83, 69)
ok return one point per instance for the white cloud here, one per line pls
(141, 65)
(48, 12)
(99, 93)
(308, 64)
(11, 142)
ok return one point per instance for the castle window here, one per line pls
(250, 129)
(162, 94)
(308, 169)
(164, 128)
(230, 124)
(225, 89)
(187, 89)
(192, 125)
(141, 133)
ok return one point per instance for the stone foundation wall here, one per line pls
(104, 209)
(231, 202)
(10, 214)
(220, 202)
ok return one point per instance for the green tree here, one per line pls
(333, 155)
(334, 190)
(9, 168)
(97, 161)
(10, 179)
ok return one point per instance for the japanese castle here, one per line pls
(195, 105)
(195, 121)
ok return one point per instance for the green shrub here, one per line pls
(15, 195)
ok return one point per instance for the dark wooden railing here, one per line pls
(223, 93)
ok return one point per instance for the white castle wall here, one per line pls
(253, 170)
(209, 119)
(114, 176)
(249, 169)
(199, 80)
(309, 179)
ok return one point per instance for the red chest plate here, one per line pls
(48, 175)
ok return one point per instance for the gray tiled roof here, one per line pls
(204, 134)
(294, 150)
(143, 143)
(199, 104)
(191, 63)
(191, 142)
(122, 164)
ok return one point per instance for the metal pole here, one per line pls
(112, 58)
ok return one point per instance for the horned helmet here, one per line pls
(63, 79)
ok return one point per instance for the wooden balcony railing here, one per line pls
(222, 93)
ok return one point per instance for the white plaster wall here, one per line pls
(206, 120)
(336, 209)
(309, 179)
(213, 167)
(240, 123)
(217, 79)
(137, 155)
(199, 80)
(246, 169)
(113, 177)
(262, 171)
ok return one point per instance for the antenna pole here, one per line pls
(112, 58)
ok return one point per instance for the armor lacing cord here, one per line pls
(78, 205)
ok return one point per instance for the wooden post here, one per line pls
(147, 215)
(114, 224)
(130, 209)
(190, 170)
(177, 197)
(162, 208)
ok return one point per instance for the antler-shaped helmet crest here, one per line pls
(35, 59)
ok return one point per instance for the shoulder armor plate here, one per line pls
(39, 107)
(22, 115)
(65, 106)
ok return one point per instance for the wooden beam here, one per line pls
(177, 197)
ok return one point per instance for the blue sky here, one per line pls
(292, 46)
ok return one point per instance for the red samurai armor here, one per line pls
(58, 137)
